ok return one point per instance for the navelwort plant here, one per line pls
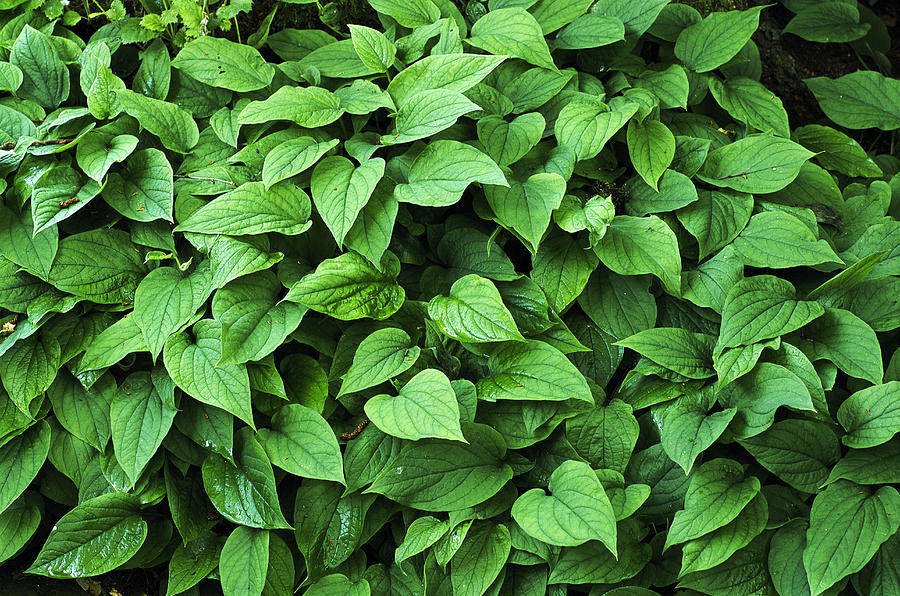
(450, 308)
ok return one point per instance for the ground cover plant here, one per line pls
(520, 297)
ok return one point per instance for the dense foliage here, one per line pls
(548, 297)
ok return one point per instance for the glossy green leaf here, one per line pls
(861, 99)
(94, 538)
(716, 39)
(173, 125)
(348, 287)
(512, 32)
(532, 371)
(302, 443)
(756, 164)
(244, 561)
(340, 191)
(244, 491)
(45, 78)
(870, 416)
(474, 312)
(292, 157)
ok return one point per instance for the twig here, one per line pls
(12, 144)
(205, 178)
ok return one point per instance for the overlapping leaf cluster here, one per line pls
(449, 308)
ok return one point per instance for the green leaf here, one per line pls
(875, 465)
(17, 525)
(756, 164)
(847, 524)
(862, 99)
(370, 235)
(836, 151)
(553, 14)
(716, 218)
(348, 287)
(605, 436)
(512, 32)
(97, 152)
(244, 491)
(165, 300)
(585, 125)
(636, 245)
(302, 443)
(675, 191)
(11, 77)
(94, 538)
(480, 559)
(436, 475)
(719, 545)
(762, 307)
(306, 106)
(526, 207)
(144, 190)
(45, 78)
(154, 75)
(192, 562)
(474, 312)
(532, 371)
(619, 305)
(426, 113)
(51, 199)
(846, 340)
(717, 494)
(83, 412)
(562, 268)
(590, 31)
(193, 365)
(340, 191)
(408, 14)
(425, 407)
(577, 510)
(592, 562)
(452, 72)
(422, 533)
(19, 244)
(637, 17)
(174, 126)
(140, 417)
(102, 97)
(758, 394)
(832, 22)
(777, 239)
(689, 354)
(688, 417)
(100, 265)
(28, 368)
(751, 103)
(800, 452)
(871, 416)
(244, 561)
(443, 170)
(338, 583)
(222, 63)
(292, 157)
(20, 461)
(254, 322)
(716, 39)
(374, 49)
(651, 146)
(382, 355)
(253, 209)
(507, 142)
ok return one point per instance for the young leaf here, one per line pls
(526, 206)
(382, 355)
(174, 125)
(636, 245)
(306, 106)
(45, 78)
(651, 146)
(425, 407)
(689, 354)
(165, 300)
(374, 49)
